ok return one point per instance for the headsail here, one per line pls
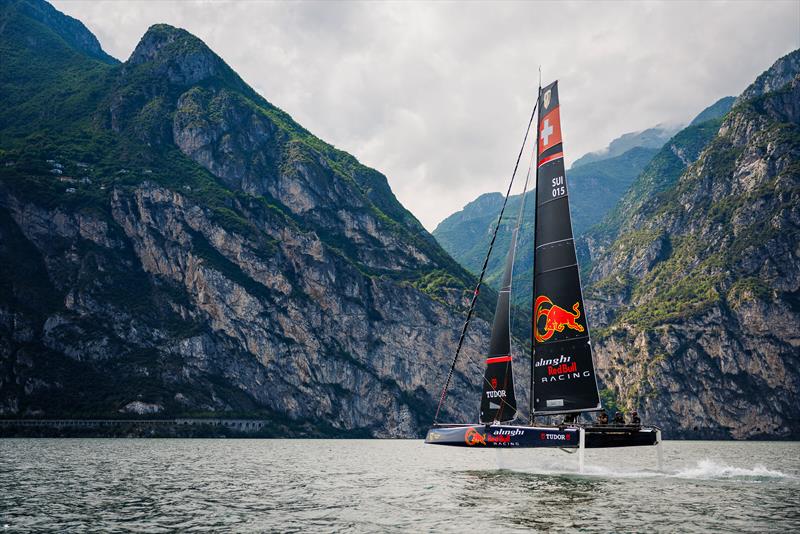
(498, 402)
(564, 377)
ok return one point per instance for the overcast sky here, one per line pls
(437, 95)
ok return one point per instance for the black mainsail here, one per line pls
(498, 402)
(564, 378)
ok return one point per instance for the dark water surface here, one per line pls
(150, 485)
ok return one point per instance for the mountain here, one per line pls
(596, 184)
(718, 109)
(656, 177)
(595, 188)
(172, 243)
(695, 279)
(66, 28)
(650, 138)
(772, 79)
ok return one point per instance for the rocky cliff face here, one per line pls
(698, 289)
(183, 245)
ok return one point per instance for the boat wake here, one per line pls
(709, 469)
(706, 469)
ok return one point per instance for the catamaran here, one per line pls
(562, 378)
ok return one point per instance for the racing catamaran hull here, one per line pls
(512, 437)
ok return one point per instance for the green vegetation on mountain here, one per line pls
(694, 275)
(171, 239)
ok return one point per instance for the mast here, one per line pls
(535, 220)
(564, 377)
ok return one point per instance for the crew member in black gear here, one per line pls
(619, 419)
(602, 419)
(635, 419)
(569, 419)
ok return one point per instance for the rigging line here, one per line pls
(483, 270)
(532, 349)
(520, 216)
(519, 226)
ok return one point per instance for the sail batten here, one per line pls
(563, 371)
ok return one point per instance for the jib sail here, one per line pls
(564, 378)
(498, 402)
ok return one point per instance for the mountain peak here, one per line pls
(779, 74)
(654, 137)
(177, 54)
(71, 30)
(157, 40)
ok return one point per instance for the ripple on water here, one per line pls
(362, 485)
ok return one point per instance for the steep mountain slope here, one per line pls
(698, 286)
(172, 243)
(658, 176)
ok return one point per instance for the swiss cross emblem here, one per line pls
(546, 101)
(547, 131)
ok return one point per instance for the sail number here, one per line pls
(559, 187)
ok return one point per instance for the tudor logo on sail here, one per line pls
(546, 98)
(557, 318)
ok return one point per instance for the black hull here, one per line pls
(513, 437)
(599, 437)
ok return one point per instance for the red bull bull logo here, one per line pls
(556, 318)
(473, 437)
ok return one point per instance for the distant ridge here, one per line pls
(718, 109)
(654, 137)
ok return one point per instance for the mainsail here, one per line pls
(498, 402)
(563, 373)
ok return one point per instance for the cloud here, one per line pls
(437, 95)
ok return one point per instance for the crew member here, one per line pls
(569, 419)
(635, 419)
(619, 419)
(602, 419)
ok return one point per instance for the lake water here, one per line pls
(150, 485)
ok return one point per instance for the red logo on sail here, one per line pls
(557, 318)
(473, 437)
